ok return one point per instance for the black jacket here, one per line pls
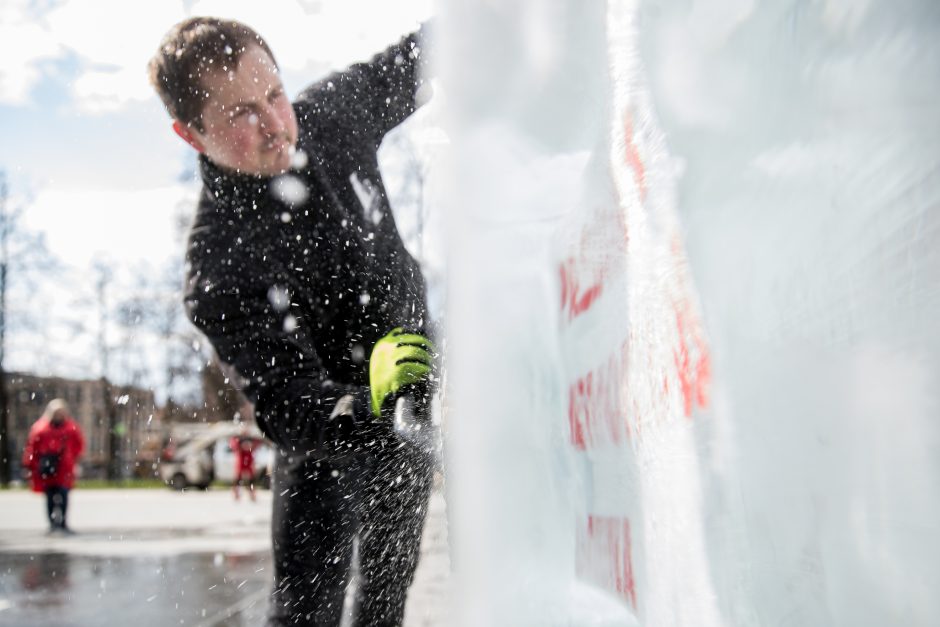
(293, 290)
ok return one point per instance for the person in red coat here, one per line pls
(54, 445)
(243, 446)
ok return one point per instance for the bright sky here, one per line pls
(87, 145)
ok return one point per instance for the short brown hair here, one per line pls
(191, 48)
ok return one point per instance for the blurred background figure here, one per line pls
(54, 445)
(243, 445)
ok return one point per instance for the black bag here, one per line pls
(48, 464)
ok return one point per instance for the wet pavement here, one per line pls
(155, 557)
(43, 589)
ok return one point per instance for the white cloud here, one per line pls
(101, 92)
(331, 32)
(130, 226)
(24, 44)
(114, 39)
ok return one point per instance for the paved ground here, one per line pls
(155, 557)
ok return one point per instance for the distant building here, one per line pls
(137, 419)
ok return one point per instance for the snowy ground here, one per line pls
(157, 557)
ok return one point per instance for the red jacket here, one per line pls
(45, 438)
(244, 448)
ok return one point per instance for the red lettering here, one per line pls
(605, 555)
(580, 305)
(565, 282)
(694, 382)
(628, 584)
(597, 408)
(574, 421)
(685, 375)
(703, 377)
(584, 392)
(574, 299)
(632, 156)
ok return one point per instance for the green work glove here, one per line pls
(398, 359)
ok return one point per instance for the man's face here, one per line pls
(248, 122)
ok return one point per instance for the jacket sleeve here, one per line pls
(78, 441)
(298, 404)
(376, 95)
(29, 461)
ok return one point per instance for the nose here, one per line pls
(270, 121)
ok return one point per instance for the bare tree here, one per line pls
(4, 392)
(222, 400)
(23, 257)
(104, 277)
(152, 309)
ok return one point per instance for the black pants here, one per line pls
(57, 502)
(380, 499)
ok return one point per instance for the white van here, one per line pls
(207, 457)
(223, 460)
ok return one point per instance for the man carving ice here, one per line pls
(312, 298)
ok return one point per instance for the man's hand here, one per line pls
(399, 359)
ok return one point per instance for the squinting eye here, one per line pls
(237, 114)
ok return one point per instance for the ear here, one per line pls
(188, 135)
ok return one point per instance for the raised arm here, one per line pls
(378, 94)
